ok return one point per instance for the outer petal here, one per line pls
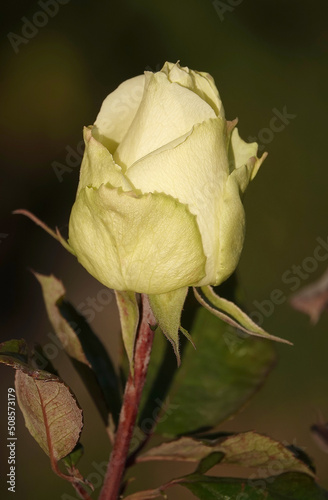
(117, 112)
(199, 82)
(241, 152)
(232, 219)
(195, 172)
(167, 111)
(98, 166)
(232, 231)
(244, 165)
(147, 244)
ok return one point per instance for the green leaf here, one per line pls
(85, 350)
(230, 313)
(53, 291)
(209, 462)
(288, 486)
(38, 353)
(70, 462)
(212, 383)
(72, 459)
(101, 380)
(129, 316)
(246, 449)
(14, 353)
(302, 456)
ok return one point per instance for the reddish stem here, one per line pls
(130, 407)
(81, 491)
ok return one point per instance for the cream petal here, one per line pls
(199, 82)
(195, 172)
(207, 85)
(244, 165)
(244, 153)
(98, 166)
(118, 111)
(142, 243)
(231, 231)
(167, 111)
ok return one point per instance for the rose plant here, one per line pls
(158, 210)
(158, 206)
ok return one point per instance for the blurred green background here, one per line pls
(265, 56)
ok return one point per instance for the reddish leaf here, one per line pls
(53, 290)
(85, 350)
(247, 449)
(320, 434)
(312, 299)
(51, 414)
(50, 410)
(145, 495)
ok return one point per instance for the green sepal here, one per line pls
(188, 336)
(230, 313)
(167, 309)
(129, 315)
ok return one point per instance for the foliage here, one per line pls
(184, 405)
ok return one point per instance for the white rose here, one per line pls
(158, 204)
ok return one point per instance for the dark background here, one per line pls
(264, 56)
